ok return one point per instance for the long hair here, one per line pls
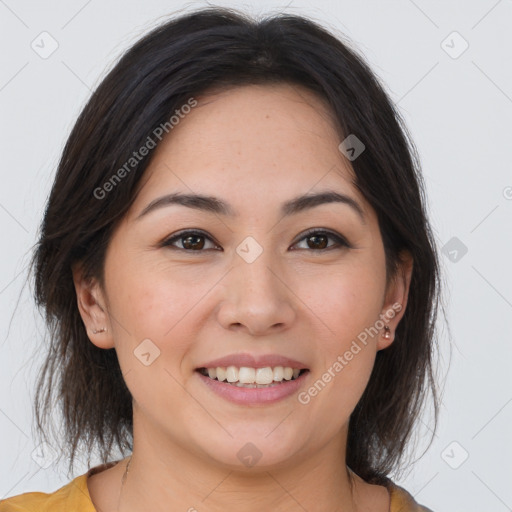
(189, 55)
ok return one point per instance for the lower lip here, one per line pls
(252, 396)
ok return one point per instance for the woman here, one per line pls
(238, 276)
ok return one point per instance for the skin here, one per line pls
(254, 147)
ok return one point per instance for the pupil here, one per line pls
(316, 239)
(188, 244)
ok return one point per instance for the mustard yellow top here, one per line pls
(74, 497)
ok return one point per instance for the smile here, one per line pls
(253, 386)
(248, 377)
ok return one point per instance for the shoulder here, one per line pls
(401, 500)
(73, 496)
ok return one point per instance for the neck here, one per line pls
(164, 476)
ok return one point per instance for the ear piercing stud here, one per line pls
(387, 333)
(104, 329)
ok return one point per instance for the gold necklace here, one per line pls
(123, 480)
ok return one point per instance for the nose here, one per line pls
(257, 299)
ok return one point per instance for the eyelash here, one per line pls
(341, 242)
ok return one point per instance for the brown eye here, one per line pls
(319, 240)
(191, 241)
(196, 241)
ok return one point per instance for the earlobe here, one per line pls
(94, 316)
(396, 300)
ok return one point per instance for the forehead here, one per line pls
(251, 144)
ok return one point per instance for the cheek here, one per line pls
(346, 300)
(347, 304)
(155, 328)
(155, 302)
(147, 297)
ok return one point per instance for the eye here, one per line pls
(318, 240)
(194, 240)
(191, 240)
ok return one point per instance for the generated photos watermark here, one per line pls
(304, 397)
(144, 150)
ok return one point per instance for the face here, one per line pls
(257, 283)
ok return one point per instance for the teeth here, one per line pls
(252, 377)
(278, 373)
(288, 373)
(231, 374)
(264, 375)
(247, 375)
(221, 373)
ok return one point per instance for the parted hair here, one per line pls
(191, 54)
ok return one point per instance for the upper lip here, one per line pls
(259, 361)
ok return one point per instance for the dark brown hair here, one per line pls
(187, 56)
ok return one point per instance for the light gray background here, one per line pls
(459, 111)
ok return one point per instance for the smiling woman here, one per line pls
(250, 311)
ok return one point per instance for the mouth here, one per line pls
(249, 377)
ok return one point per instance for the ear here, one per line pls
(91, 305)
(395, 300)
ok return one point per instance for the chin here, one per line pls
(252, 449)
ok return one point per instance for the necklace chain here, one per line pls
(125, 475)
(123, 480)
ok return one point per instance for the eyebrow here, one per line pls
(218, 206)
